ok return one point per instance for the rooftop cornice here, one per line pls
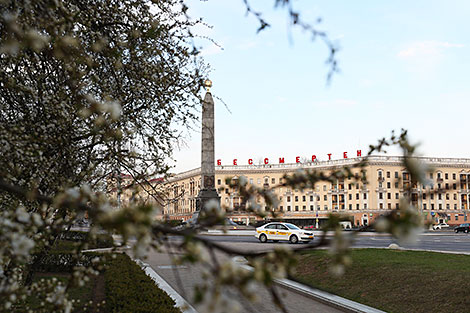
(322, 165)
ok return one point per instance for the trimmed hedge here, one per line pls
(62, 262)
(101, 240)
(129, 289)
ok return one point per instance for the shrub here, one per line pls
(129, 289)
(100, 241)
(58, 261)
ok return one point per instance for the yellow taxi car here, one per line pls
(282, 231)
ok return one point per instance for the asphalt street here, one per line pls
(436, 241)
(184, 278)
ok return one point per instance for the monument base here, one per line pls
(205, 196)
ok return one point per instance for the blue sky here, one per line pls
(404, 64)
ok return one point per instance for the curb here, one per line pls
(322, 296)
(162, 284)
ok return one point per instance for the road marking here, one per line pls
(166, 267)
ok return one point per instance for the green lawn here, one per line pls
(393, 280)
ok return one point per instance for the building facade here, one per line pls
(445, 198)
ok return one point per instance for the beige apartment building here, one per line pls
(444, 198)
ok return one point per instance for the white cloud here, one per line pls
(211, 50)
(424, 57)
(339, 103)
(247, 45)
(427, 49)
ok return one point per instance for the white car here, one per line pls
(440, 226)
(282, 231)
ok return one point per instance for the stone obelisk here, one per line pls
(207, 192)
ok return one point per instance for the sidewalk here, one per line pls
(296, 297)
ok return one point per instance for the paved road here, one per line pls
(436, 241)
(189, 276)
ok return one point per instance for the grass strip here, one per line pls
(394, 280)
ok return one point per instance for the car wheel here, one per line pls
(293, 239)
(456, 231)
(466, 231)
(275, 240)
(263, 238)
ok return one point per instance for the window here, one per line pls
(380, 196)
(281, 208)
(424, 196)
(447, 206)
(380, 184)
(350, 196)
(430, 175)
(447, 196)
(396, 174)
(388, 185)
(396, 184)
(446, 175)
(349, 186)
(388, 174)
(311, 198)
(432, 196)
(311, 208)
(227, 191)
(219, 182)
(424, 206)
(288, 198)
(288, 208)
(350, 207)
(453, 176)
(326, 208)
(357, 206)
(251, 181)
(296, 198)
(357, 196)
(296, 207)
(365, 206)
(365, 196)
(273, 180)
(455, 196)
(440, 206)
(397, 206)
(324, 198)
(304, 208)
(439, 196)
(303, 198)
(259, 181)
(389, 196)
(324, 187)
(381, 206)
(454, 186)
(438, 175)
(432, 206)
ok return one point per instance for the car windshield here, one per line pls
(291, 226)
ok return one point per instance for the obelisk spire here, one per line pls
(207, 142)
(207, 192)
